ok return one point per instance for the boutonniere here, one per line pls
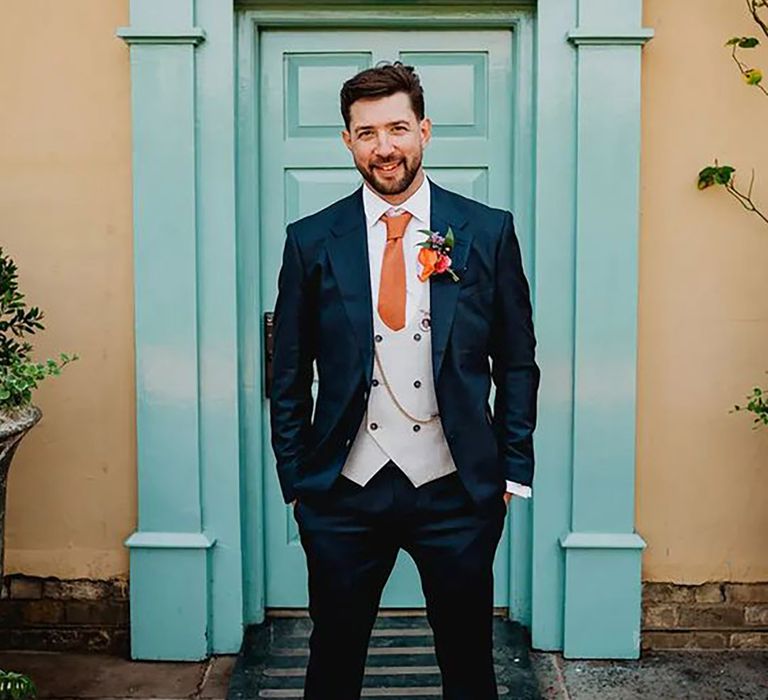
(434, 254)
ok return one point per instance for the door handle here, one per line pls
(269, 327)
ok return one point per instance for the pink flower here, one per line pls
(442, 264)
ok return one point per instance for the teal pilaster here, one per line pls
(186, 572)
(602, 550)
(555, 166)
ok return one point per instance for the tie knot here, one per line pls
(396, 225)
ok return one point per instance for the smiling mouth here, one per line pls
(391, 167)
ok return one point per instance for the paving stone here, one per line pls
(663, 675)
(90, 676)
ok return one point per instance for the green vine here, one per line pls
(724, 175)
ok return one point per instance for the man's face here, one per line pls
(387, 141)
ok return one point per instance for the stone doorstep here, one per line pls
(401, 661)
(101, 677)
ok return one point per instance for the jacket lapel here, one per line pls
(347, 250)
(443, 291)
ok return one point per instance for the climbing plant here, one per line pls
(742, 49)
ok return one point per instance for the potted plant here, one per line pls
(19, 375)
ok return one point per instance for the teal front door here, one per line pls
(304, 166)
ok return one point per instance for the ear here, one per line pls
(345, 136)
(425, 127)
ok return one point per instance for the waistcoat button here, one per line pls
(375, 382)
(374, 426)
(417, 336)
(378, 338)
(417, 384)
(416, 428)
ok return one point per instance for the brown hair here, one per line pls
(381, 81)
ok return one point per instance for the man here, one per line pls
(402, 450)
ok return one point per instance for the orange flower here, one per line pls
(428, 258)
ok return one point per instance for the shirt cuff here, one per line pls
(519, 489)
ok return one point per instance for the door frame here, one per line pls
(250, 24)
(198, 342)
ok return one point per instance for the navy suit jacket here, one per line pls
(324, 313)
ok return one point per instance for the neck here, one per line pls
(402, 196)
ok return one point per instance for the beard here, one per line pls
(391, 185)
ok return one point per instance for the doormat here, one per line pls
(401, 660)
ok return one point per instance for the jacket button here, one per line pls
(416, 428)
(349, 442)
(374, 426)
(417, 384)
(365, 396)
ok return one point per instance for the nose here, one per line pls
(383, 146)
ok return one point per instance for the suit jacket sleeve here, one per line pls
(291, 394)
(514, 369)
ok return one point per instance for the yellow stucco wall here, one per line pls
(702, 502)
(65, 204)
(702, 477)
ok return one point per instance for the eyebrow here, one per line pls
(369, 126)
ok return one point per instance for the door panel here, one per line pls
(304, 166)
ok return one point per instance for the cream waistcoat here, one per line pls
(404, 361)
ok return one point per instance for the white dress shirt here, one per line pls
(418, 204)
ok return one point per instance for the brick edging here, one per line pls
(52, 614)
(714, 615)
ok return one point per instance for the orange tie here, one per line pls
(392, 283)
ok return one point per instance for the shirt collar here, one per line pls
(417, 204)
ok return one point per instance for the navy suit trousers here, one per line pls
(351, 536)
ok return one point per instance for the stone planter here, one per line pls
(13, 427)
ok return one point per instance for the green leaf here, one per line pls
(748, 42)
(715, 175)
(706, 177)
(449, 238)
(723, 174)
